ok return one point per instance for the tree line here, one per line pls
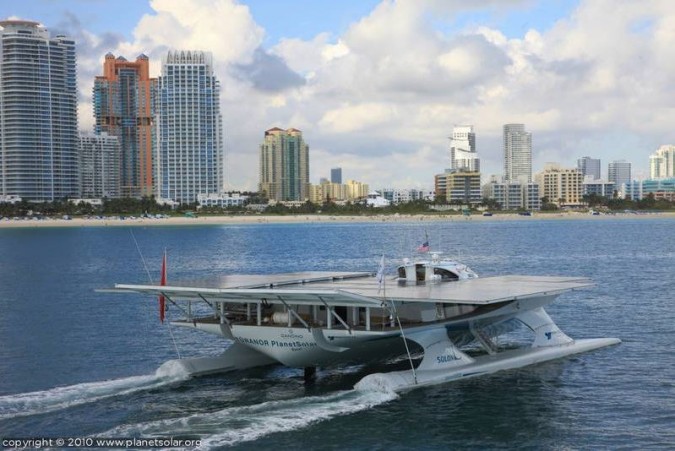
(148, 205)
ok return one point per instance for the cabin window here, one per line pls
(420, 270)
(401, 272)
(445, 274)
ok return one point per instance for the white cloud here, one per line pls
(348, 118)
(381, 98)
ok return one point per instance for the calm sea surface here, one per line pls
(78, 363)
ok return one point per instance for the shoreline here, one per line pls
(316, 219)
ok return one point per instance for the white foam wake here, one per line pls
(246, 423)
(57, 398)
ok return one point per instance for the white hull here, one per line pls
(480, 366)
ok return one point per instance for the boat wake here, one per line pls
(39, 402)
(241, 424)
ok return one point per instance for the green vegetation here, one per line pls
(648, 203)
(125, 206)
(148, 205)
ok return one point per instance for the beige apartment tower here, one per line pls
(284, 165)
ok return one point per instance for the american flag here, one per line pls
(424, 247)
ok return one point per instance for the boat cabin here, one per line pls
(433, 270)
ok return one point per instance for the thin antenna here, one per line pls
(141, 255)
(405, 343)
(147, 271)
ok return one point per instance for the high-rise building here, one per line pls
(123, 107)
(589, 167)
(336, 175)
(517, 153)
(189, 144)
(38, 113)
(662, 163)
(618, 172)
(284, 165)
(463, 156)
(100, 159)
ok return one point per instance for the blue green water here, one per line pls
(76, 362)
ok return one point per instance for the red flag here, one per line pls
(162, 282)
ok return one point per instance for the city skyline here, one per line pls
(544, 65)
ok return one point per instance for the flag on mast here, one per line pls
(162, 282)
(424, 247)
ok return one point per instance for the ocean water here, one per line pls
(74, 362)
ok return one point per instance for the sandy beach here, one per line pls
(291, 219)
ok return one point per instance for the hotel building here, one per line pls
(560, 185)
(38, 113)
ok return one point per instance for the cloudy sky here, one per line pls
(376, 86)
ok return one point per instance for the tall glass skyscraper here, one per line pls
(517, 153)
(189, 141)
(619, 172)
(38, 113)
(336, 175)
(284, 165)
(589, 167)
(123, 107)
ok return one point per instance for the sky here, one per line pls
(376, 86)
